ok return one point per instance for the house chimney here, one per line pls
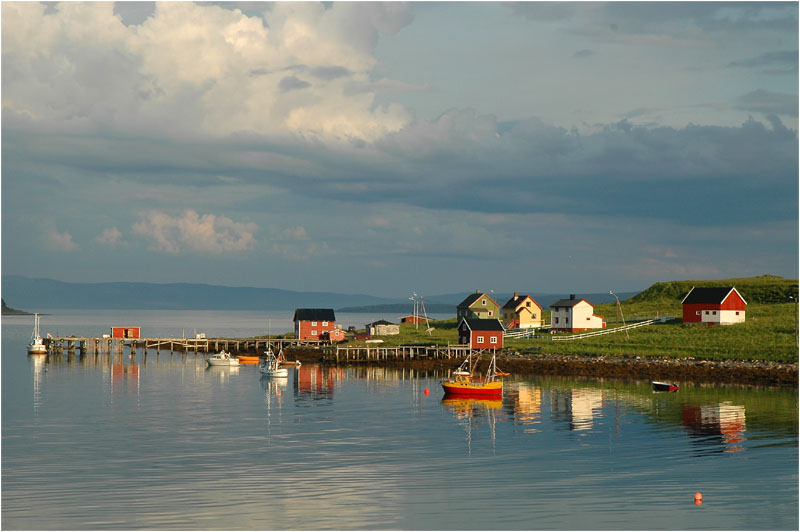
(572, 296)
(516, 296)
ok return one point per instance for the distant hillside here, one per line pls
(7, 311)
(763, 289)
(401, 309)
(51, 294)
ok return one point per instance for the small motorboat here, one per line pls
(223, 359)
(271, 365)
(248, 359)
(664, 386)
(36, 347)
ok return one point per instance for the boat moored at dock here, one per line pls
(36, 347)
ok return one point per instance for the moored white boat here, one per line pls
(271, 365)
(222, 359)
(36, 347)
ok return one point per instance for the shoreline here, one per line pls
(749, 372)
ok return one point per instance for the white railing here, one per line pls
(604, 331)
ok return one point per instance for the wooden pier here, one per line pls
(366, 353)
(185, 345)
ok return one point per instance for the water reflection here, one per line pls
(125, 378)
(527, 406)
(472, 412)
(715, 428)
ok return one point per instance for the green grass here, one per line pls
(768, 334)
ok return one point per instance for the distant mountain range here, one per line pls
(34, 294)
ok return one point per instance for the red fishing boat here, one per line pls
(476, 385)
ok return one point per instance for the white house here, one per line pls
(574, 315)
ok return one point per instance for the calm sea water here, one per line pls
(163, 442)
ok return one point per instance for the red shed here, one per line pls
(481, 333)
(714, 306)
(126, 332)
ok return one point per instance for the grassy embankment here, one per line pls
(768, 334)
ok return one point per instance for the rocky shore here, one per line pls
(760, 373)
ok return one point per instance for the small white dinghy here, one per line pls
(223, 359)
(271, 365)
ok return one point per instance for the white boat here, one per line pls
(36, 347)
(271, 365)
(222, 359)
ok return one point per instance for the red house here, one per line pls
(126, 332)
(481, 333)
(313, 323)
(714, 306)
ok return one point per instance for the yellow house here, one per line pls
(522, 312)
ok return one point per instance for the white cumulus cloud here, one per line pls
(110, 237)
(200, 68)
(190, 231)
(60, 241)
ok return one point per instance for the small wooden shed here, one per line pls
(126, 332)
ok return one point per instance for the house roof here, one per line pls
(710, 294)
(477, 324)
(470, 299)
(380, 322)
(512, 303)
(571, 302)
(314, 314)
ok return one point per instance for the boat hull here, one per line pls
(37, 349)
(664, 386)
(244, 359)
(217, 362)
(494, 388)
(283, 372)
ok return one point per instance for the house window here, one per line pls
(737, 312)
(566, 320)
(707, 313)
(493, 339)
(698, 312)
(324, 323)
(534, 314)
(313, 332)
(313, 323)
(587, 319)
(556, 320)
(479, 339)
(491, 313)
(527, 303)
(714, 313)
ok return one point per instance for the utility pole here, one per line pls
(619, 313)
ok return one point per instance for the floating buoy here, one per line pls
(698, 498)
(427, 391)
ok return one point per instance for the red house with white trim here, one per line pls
(313, 323)
(481, 333)
(714, 306)
(126, 332)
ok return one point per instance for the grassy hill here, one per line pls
(764, 289)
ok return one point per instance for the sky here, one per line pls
(391, 148)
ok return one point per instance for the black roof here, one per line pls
(568, 302)
(512, 303)
(470, 299)
(380, 322)
(712, 294)
(314, 314)
(478, 324)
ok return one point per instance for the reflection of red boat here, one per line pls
(664, 386)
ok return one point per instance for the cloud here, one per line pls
(59, 241)
(207, 234)
(762, 101)
(189, 69)
(782, 62)
(110, 237)
(584, 53)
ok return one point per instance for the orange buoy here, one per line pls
(427, 391)
(698, 498)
